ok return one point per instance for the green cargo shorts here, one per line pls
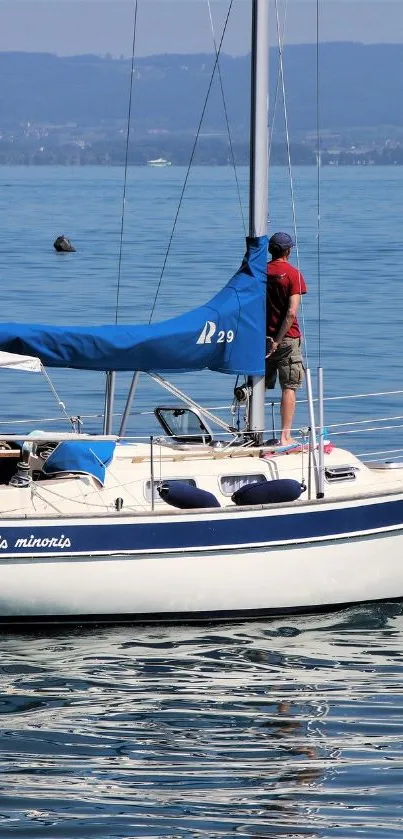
(287, 362)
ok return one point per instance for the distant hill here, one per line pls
(360, 86)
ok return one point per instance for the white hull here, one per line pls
(217, 582)
(68, 553)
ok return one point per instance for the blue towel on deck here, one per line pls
(88, 458)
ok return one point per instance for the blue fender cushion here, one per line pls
(268, 492)
(185, 496)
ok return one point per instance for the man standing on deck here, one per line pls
(285, 284)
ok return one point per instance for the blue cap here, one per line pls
(281, 240)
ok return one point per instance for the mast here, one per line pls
(258, 167)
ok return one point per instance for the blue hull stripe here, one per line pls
(214, 532)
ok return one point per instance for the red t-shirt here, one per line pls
(283, 280)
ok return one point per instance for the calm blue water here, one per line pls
(272, 729)
(281, 728)
(360, 269)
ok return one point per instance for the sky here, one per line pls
(71, 27)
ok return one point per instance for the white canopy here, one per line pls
(20, 362)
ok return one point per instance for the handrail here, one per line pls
(57, 437)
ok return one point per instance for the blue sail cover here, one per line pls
(227, 334)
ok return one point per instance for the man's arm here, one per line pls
(287, 322)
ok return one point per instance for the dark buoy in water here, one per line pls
(63, 245)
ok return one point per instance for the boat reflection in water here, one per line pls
(263, 729)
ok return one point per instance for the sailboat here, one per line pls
(189, 525)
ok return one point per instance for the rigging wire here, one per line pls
(126, 159)
(318, 185)
(190, 162)
(233, 166)
(280, 37)
(60, 403)
(276, 92)
(227, 119)
(275, 102)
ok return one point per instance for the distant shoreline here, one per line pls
(97, 165)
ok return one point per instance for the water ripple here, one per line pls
(267, 729)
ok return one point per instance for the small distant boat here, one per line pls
(159, 161)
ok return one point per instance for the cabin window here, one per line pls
(147, 487)
(184, 425)
(230, 483)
